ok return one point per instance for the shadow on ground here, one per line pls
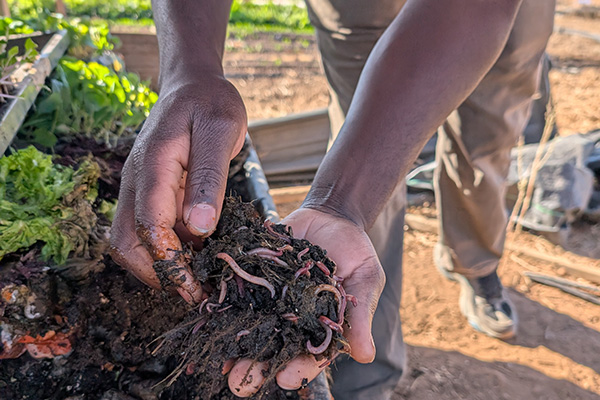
(449, 375)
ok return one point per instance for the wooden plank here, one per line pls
(583, 267)
(30, 85)
(140, 53)
(289, 194)
(292, 144)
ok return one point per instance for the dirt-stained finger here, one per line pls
(299, 372)
(246, 377)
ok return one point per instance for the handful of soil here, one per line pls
(271, 297)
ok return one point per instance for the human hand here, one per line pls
(173, 182)
(349, 246)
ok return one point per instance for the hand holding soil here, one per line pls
(173, 182)
(276, 309)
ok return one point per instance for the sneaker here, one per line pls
(485, 304)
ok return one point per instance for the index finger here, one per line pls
(158, 175)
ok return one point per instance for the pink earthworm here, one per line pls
(302, 253)
(244, 275)
(223, 292)
(352, 300)
(323, 346)
(338, 279)
(241, 333)
(290, 317)
(269, 255)
(264, 251)
(287, 247)
(323, 268)
(304, 270)
(224, 308)
(240, 284)
(329, 360)
(202, 305)
(269, 226)
(342, 306)
(333, 325)
(210, 307)
(284, 291)
(199, 325)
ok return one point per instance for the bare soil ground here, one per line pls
(556, 354)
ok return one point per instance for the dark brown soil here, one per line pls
(115, 325)
(241, 319)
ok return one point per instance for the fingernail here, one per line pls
(202, 219)
(185, 295)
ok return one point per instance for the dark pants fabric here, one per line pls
(473, 156)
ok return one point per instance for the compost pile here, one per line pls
(270, 298)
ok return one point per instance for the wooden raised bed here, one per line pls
(51, 47)
(290, 148)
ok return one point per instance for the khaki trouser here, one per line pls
(473, 156)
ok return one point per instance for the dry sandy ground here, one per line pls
(556, 354)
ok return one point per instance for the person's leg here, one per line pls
(473, 156)
(346, 32)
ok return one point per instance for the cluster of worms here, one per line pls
(243, 278)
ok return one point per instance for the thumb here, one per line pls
(366, 285)
(208, 166)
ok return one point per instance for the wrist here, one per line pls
(326, 201)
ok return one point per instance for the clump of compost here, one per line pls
(271, 297)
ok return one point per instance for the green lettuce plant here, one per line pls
(46, 203)
(90, 100)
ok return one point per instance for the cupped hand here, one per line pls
(349, 246)
(173, 182)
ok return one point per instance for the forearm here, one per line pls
(191, 37)
(426, 63)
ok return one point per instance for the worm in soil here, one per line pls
(244, 275)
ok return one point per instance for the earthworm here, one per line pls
(333, 325)
(202, 305)
(190, 369)
(352, 299)
(323, 346)
(224, 308)
(338, 279)
(329, 360)
(284, 291)
(269, 226)
(241, 333)
(211, 306)
(301, 253)
(338, 296)
(287, 247)
(342, 307)
(244, 275)
(323, 268)
(241, 228)
(240, 284)
(276, 260)
(262, 251)
(290, 317)
(197, 327)
(223, 292)
(304, 270)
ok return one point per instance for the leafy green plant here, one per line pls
(45, 202)
(246, 16)
(89, 99)
(10, 60)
